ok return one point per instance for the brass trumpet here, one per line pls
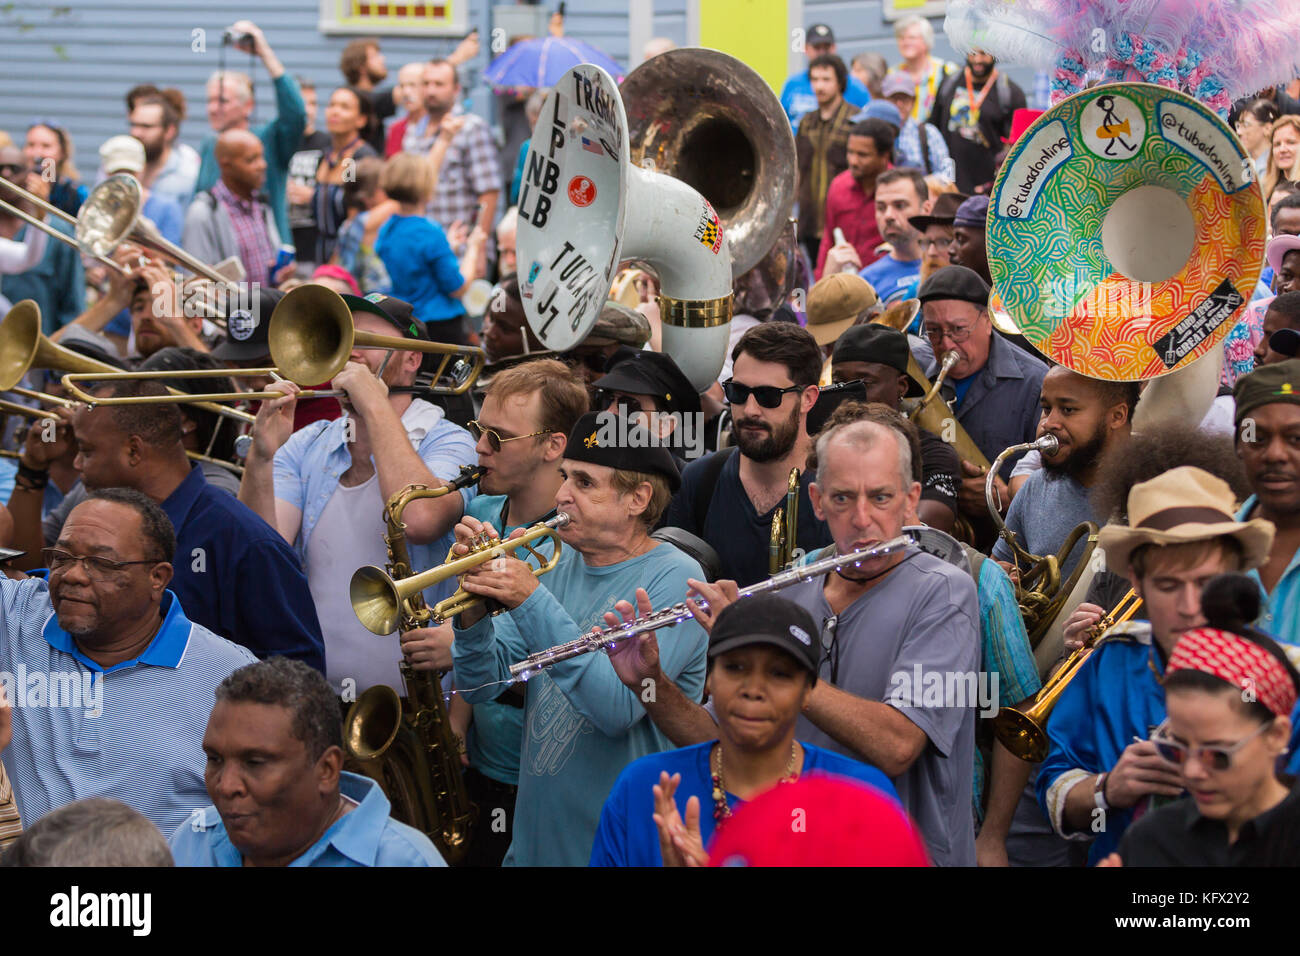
(378, 599)
(785, 527)
(1024, 733)
(1040, 592)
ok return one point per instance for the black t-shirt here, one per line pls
(1177, 835)
(940, 468)
(302, 170)
(384, 107)
(974, 147)
(732, 527)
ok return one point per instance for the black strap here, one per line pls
(925, 149)
(710, 471)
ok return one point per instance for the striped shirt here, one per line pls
(132, 732)
(11, 824)
(248, 219)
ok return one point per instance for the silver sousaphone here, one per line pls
(606, 183)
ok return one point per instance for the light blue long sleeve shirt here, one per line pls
(1281, 615)
(582, 726)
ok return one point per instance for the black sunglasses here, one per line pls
(768, 396)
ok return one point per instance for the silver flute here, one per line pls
(608, 637)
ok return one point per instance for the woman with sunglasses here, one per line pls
(1230, 692)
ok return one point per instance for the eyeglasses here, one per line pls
(1212, 758)
(59, 562)
(956, 335)
(831, 646)
(768, 396)
(495, 441)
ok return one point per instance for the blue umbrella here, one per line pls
(541, 62)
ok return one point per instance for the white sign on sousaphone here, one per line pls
(583, 208)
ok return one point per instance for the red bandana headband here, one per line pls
(1241, 663)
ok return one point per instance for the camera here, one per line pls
(238, 39)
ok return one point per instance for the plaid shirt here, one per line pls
(248, 218)
(822, 150)
(469, 169)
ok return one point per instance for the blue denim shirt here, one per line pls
(1000, 407)
(309, 465)
(365, 837)
(1281, 616)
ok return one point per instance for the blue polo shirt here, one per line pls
(133, 732)
(999, 404)
(237, 576)
(367, 836)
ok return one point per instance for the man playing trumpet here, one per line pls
(581, 725)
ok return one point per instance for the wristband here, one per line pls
(36, 477)
(1099, 791)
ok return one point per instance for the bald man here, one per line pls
(230, 219)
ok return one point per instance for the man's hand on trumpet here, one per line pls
(1077, 626)
(505, 579)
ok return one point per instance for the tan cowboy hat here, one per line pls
(1181, 505)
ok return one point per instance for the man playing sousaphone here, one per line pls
(1102, 770)
(581, 725)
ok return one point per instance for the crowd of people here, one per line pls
(178, 640)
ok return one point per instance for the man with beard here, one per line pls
(170, 168)
(820, 145)
(324, 486)
(729, 499)
(973, 111)
(1268, 443)
(1089, 417)
(521, 432)
(900, 195)
(128, 723)
(1282, 313)
(936, 231)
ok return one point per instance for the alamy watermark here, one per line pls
(59, 689)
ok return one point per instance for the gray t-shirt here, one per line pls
(1043, 513)
(918, 626)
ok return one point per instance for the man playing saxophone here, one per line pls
(581, 725)
(1101, 765)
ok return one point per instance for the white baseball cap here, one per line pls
(122, 154)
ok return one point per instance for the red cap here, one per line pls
(1021, 120)
(819, 820)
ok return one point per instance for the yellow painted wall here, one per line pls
(754, 31)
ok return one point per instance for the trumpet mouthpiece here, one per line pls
(1048, 443)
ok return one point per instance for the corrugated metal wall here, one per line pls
(72, 63)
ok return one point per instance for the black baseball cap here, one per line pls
(955, 282)
(246, 328)
(652, 373)
(399, 314)
(879, 344)
(767, 619)
(819, 34)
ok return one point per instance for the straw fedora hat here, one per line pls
(1181, 505)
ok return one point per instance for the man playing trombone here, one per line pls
(581, 725)
(324, 487)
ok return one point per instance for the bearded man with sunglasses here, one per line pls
(1102, 770)
(110, 682)
(729, 499)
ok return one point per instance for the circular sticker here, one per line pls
(1126, 231)
(582, 191)
(241, 325)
